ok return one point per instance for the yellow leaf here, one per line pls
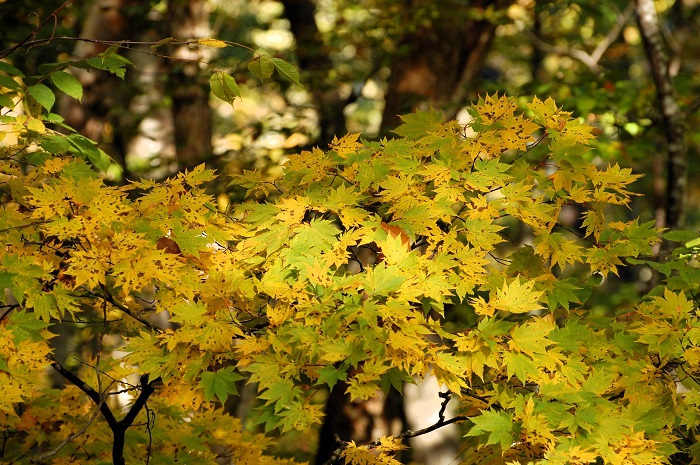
(36, 125)
(515, 297)
(212, 43)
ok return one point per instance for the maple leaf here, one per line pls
(515, 297)
(418, 124)
(498, 425)
(220, 383)
(531, 338)
(346, 145)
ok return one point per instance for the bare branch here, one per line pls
(342, 445)
(592, 59)
(109, 298)
(88, 390)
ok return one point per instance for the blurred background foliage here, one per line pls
(362, 63)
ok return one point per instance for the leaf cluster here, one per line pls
(346, 269)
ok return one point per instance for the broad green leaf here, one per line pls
(563, 293)
(89, 150)
(25, 326)
(287, 71)
(9, 83)
(68, 84)
(418, 124)
(261, 66)
(330, 375)
(681, 235)
(9, 69)
(224, 86)
(43, 95)
(55, 144)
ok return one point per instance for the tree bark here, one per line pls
(439, 61)
(99, 114)
(189, 87)
(314, 60)
(672, 116)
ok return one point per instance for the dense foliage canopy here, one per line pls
(489, 253)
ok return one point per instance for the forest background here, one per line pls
(362, 64)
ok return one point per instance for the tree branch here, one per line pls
(56, 449)
(109, 298)
(342, 445)
(118, 427)
(592, 59)
(88, 390)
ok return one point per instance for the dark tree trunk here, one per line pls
(439, 61)
(99, 115)
(313, 58)
(189, 87)
(360, 421)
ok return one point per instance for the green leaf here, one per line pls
(9, 69)
(220, 383)
(418, 124)
(9, 83)
(6, 101)
(562, 294)
(188, 312)
(44, 305)
(681, 235)
(498, 426)
(25, 326)
(383, 280)
(281, 393)
(395, 378)
(55, 144)
(519, 365)
(224, 86)
(43, 95)
(330, 375)
(68, 84)
(262, 67)
(88, 149)
(190, 241)
(110, 62)
(287, 71)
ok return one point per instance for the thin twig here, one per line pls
(27, 41)
(592, 59)
(342, 445)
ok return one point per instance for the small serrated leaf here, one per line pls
(68, 84)
(287, 71)
(262, 67)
